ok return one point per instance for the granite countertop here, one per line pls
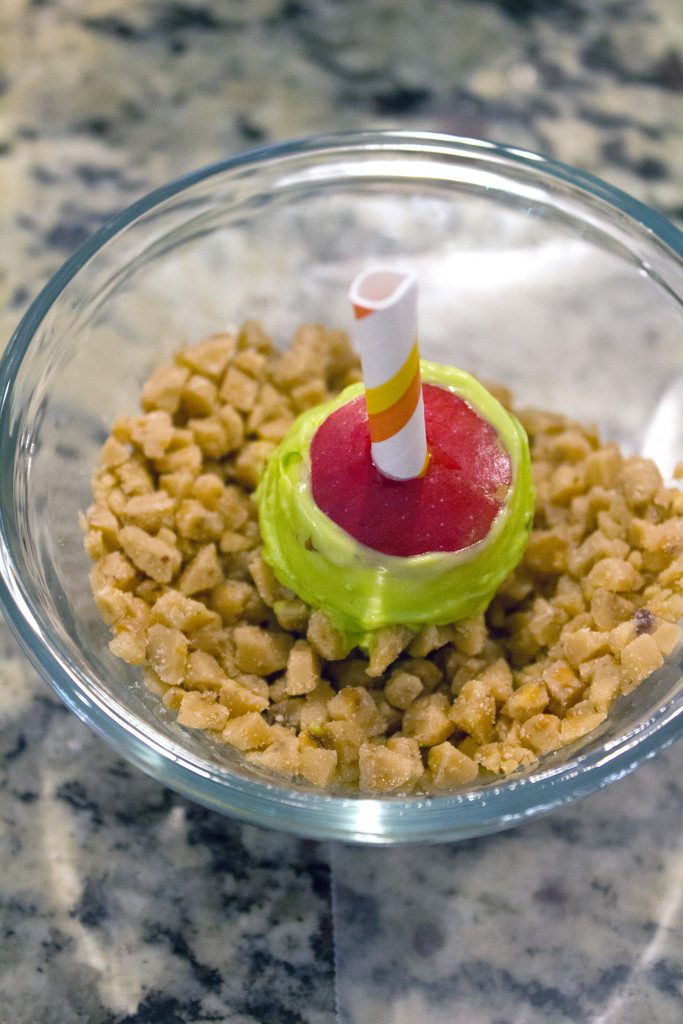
(122, 903)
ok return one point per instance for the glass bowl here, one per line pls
(531, 273)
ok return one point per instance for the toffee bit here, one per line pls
(644, 621)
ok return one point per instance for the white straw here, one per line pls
(385, 307)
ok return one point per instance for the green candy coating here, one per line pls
(362, 590)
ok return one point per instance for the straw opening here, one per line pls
(378, 288)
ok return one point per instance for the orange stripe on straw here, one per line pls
(361, 311)
(384, 425)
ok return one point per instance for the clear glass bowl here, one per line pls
(532, 274)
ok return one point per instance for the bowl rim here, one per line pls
(318, 815)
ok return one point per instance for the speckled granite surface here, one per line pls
(574, 918)
(121, 903)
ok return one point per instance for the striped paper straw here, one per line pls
(385, 306)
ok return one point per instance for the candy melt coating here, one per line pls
(360, 589)
(452, 506)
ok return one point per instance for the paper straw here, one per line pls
(385, 306)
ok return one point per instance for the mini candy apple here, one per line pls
(398, 502)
